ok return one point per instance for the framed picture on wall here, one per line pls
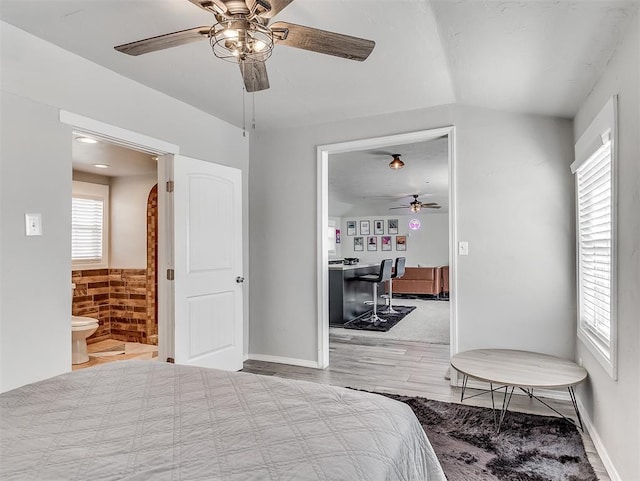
(364, 227)
(358, 243)
(378, 227)
(372, 243)
(401, 242)
(386, 243)
(392, 226)
(351, 227)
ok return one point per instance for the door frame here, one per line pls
(164, 151)
(323, 152)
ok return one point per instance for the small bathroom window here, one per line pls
(89, 226)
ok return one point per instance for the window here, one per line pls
(331, 247)
(594, 169)
(89, 209)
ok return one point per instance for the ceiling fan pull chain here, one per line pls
(244, 94)
(253, 120)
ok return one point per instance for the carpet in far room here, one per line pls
(429, 322)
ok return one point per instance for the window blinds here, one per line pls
(594, 189)
(86, 229)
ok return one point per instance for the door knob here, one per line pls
(239, 279)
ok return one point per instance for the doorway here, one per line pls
(163, 151)
(199, 253)
(114, 249)
(377, 146)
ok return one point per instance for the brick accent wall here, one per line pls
(128, 302)
(117, 298)
(152, 266)
(91, 299)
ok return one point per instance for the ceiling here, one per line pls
(535, 56)
(121, 161)
(362, 184)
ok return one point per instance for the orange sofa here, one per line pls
(444, 281)
(419, 280)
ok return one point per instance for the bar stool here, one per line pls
(398, 271)
(383, 275)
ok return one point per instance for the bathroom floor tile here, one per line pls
(111, 350)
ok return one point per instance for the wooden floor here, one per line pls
(405, 367)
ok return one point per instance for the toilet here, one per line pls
(81, 329)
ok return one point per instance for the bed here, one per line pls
(146, 420)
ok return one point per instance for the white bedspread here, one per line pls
(143, 420)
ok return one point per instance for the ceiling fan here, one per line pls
(415, 205)
(242, 34)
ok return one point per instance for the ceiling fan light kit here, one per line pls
(240, 40)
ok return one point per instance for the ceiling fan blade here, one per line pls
(277, 6)
(432, 206)
(322, 41)
(427, 204)
(162, 42)
(254, 75)
(403, 207)
(214, 6)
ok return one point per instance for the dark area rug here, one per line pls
(391, 320)
(528, 448)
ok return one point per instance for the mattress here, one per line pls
(145, 420)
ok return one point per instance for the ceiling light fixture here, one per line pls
(101, 166)
(396, 163)
(415, 207)
(86, 140)
(241, 40)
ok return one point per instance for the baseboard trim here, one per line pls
(597, 442)
(284, 360)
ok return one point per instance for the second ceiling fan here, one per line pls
(416, 206)
(243, 34)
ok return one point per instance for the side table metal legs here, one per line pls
(498, 418)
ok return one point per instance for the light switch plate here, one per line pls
(33, 224)
(463, 248)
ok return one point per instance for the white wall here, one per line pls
(428, 246)
(614, 406)
(515, 208)
(91, 178)
(38, 79)
(128, 221)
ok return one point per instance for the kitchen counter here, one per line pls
(342, 267)
(347, 295)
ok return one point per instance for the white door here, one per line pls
(208, 264)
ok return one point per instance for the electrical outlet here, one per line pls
(463, 248)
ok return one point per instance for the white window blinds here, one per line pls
(87, 220)
(595, 172)
(594, 211)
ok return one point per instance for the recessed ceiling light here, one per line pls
(86, 140)
(101, 166)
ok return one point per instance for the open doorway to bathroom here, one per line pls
(115, 249)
